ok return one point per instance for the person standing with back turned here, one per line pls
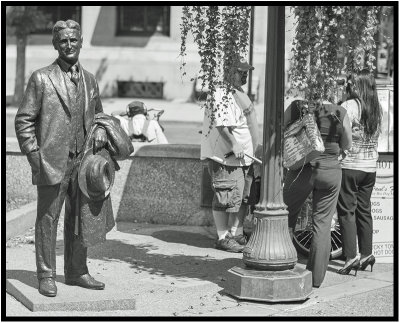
(51, 125)
(321, 177)
(359, 171)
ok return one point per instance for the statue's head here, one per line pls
(67, 40)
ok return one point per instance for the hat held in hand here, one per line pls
(96, 174)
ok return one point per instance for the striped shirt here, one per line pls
(363, 153)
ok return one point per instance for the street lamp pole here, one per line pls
(250, 94)
(270, 272)
(270, 246)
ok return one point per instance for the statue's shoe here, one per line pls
(47, 287)
(85, 281)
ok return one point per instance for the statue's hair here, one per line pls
(60, 25)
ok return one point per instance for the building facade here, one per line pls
(133, 50)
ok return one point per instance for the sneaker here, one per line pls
(229, 244)
(241, 239)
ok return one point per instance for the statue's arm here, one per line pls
(28, 111)
(100, 134)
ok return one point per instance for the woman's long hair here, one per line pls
(362, 88)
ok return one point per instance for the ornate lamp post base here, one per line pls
(269, 286)
(269, 272)
(270, 246)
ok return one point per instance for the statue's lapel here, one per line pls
(58, 81)
(87, 90)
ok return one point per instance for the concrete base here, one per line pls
(70, 298)
(269, 286)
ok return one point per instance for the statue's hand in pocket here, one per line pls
(34, 161)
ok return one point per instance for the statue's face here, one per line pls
(68, 44)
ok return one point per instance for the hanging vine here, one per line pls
(324, 36)
(221, 34)
(329, 41)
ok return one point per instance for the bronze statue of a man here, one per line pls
(51, 124)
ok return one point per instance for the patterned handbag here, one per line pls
(302, 142)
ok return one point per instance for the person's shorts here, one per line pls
(229, 184)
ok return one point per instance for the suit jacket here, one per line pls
(43, 121)
(119, 144)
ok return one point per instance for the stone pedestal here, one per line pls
(71, 298)
(269, 286)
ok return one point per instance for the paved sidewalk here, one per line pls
(173, 271)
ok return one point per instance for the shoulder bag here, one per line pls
(302, 142)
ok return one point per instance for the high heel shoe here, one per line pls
(368, 261)
(346, 270)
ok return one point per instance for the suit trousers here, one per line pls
(354, 211)
(324, 184)
(50, 201)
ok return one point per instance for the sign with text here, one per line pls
(385, 97)
(382, 210)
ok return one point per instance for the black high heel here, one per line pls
(368, 261)
(346, 270)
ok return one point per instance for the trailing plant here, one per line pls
(324, 36)
(329, 41)
(221, 34)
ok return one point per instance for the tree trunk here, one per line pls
(20, 70)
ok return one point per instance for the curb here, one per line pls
(20, 220)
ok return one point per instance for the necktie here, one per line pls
(74, 74)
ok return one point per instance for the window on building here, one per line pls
(56, 13)
(143, 20)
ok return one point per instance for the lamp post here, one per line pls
(270, 272)
(249, 92)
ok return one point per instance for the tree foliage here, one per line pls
(20, 22)
(324, 36)
(23, 20)
(221, 34)
(329, 41)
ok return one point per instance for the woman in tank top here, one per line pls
(359, 171)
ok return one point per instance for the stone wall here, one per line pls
(158, 184)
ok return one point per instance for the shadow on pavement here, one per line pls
(144, 257)
(173, 260)
(189, 238)
(141, 257)
(255, 302)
